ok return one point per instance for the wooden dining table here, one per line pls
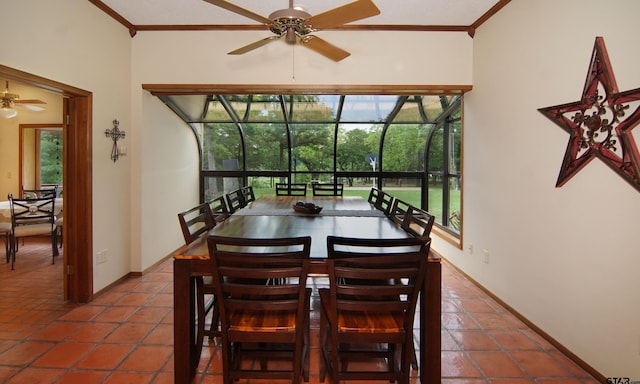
(273, 216)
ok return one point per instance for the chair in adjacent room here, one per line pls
(194, 223)
(51, 191)
(418, 222)
(219, 208)
(269, 323)
(368, 311)
(295, 189)
(235, 200)
(327, 189)
(32, 217)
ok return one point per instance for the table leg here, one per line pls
(430, 324)
(186, 355)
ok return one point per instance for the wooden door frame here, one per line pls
(77, 181)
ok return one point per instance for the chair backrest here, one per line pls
(219, 208)
(373, 195)
(418, 222)
(247, 194)
(39, 210)
(399, 210)
(39, 193)
(241, 266)
(327, 189)
(235, 200)
(295, 189)
(384, 202)
(382, 276)
(196, 221)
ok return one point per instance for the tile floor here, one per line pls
(125, 335)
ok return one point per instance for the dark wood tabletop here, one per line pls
(273, 216)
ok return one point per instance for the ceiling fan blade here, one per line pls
(32, 101)
(324, 48)
(254, 45)
(239, 10)
(359, 9)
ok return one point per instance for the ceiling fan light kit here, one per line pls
(9, 100)
(296, 25)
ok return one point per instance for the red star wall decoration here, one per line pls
(600, 123)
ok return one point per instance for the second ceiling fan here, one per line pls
(296, 25)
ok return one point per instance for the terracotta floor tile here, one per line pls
(35, 376)
(513, 340)
(24, 353)
(82, 377)
(146, 358)
(63, 355)
(457, 364)
(492, 321)
(115, 314)
(475, 305)
(92, 332)
(458, 321)
(129, 378)
(133, 299)
(496, 364)
(83, 313)
(161, 334)
(56, 331)
(473, 340)
(539, 364)
(105, 356)
(149, 315)
(131, 333)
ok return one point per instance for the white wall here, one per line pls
(566, 258)
(73, 42)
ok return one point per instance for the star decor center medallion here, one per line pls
(600, 124)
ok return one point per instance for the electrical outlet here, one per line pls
(471, 249)
(485, 256)
(102, 256)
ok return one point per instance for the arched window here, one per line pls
(407, 145)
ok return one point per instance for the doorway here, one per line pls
(78, 230)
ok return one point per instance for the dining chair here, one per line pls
(418, 222)
(384, 202)
(219, 208)
(269, 323)
(327, 189)
(235, 200)
(194, 223)
(32, 217)
(399, 211)
(39, 193)
(294, 189)
(247, 194)
(368, 311)
(373, 195)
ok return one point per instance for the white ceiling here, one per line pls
(392, 12)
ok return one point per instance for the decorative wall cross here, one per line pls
(115, 134)
(600, 123)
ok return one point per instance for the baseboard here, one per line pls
(570, 355)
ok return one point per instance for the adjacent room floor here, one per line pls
(126, 334)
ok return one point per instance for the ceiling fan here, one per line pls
(296, 25)
(8, 100)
